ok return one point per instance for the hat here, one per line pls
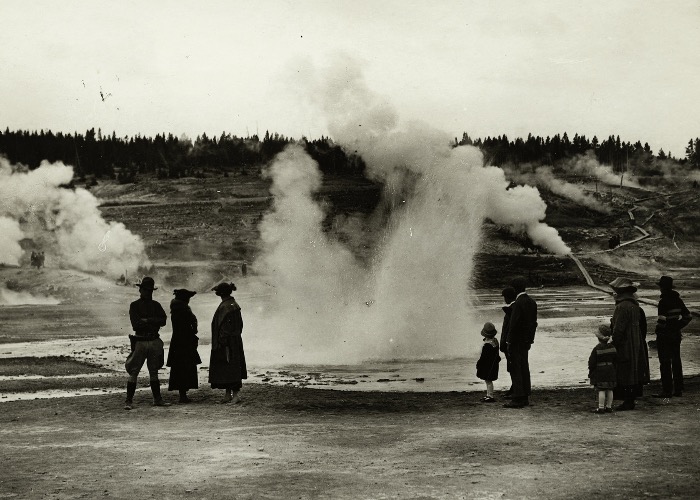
(604, 332)
(488, 330)
(665, 282)
(623, 284)
(509, 293)
(148, 283)
(519, 284)
(224, 288)
(183, 293)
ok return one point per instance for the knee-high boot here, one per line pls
(130, 390)
(157, 398)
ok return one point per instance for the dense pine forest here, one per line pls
(97, 156)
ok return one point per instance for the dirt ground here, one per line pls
(309, 443)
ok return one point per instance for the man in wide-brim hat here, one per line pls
(147, 317)
(673, 316)
(627, 339)
(147, 283)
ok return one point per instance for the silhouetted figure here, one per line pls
(32, 260)
(227, 366)
(487, 365)
(601, 369)
(183, 357)
(673, 317)
(521, 336)
(244, 269)
(626, 337)
(147, 317)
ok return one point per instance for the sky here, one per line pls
(486, 68)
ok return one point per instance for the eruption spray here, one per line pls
(412, 297)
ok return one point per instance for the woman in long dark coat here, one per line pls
(227, 367)
(183, 357)
(627, 339)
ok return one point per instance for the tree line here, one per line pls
(621, 156)
(98, 156)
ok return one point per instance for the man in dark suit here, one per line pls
(521, 335)
(673, 317)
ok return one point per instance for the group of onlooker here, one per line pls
(227, 366)
(618, 366)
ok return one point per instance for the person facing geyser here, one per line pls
(673, 317)
(601, 369)
(147, 317)
(487, 365)
(627, 339)
(183, 357)
(227, 367)
(521, 336)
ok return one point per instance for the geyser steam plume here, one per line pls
(412, 297)
(65, 223)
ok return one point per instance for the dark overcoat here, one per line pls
(183, 344)
(627, 338)
(487, 365)
(523, 321)
(227, 365)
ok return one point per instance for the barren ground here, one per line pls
(306, 443)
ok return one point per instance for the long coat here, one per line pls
(523, 321)
(183, 357)
(487, 365)
(227, 366)
(626, 338)
(601, 366)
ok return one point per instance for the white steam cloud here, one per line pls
(411, 298)
(10, 249)
(66, 223)
(13, 298)
(543, 176)
(588, 165)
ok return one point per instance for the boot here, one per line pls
(627, 405)
(157, 398)
(183, 397)
(130, 390)
(235, 398)
(227, 397)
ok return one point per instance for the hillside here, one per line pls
(215, 220)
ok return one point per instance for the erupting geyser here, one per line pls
(411, 299)
(64, 222)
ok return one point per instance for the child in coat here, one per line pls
(487, 365)
(601, 369)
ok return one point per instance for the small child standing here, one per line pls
(601, 369)
(487, 366)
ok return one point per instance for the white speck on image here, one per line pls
(102, 247)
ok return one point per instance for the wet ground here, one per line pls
(567, 319)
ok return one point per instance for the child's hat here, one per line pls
(604, 332)
(488, 330)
